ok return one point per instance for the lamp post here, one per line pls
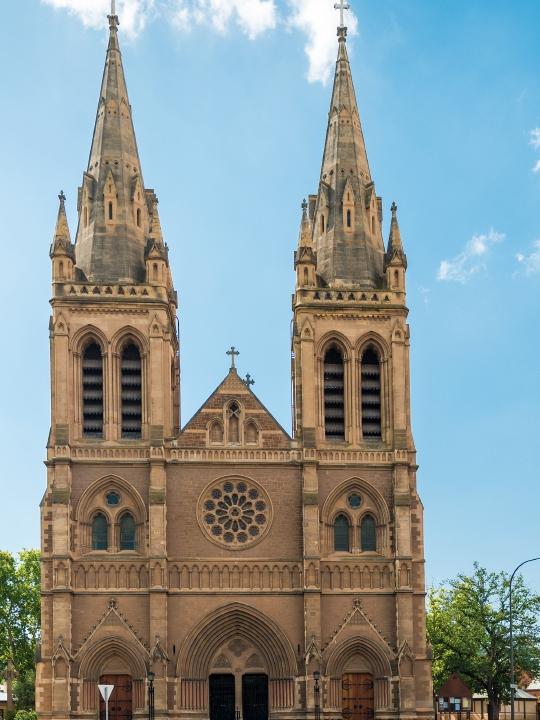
(150, 677)
(317, 694)
(513, 685)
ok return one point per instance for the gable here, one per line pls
(218, 424)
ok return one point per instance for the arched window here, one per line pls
(252, 434)
(155, 271)
(92, 391)
(341, 534)
(127, 532)
(216, 432)
(371, 395)
(234, 423)
(348, 218)
(138, 217)
(368, 534)
(110, 210)
(100, 532)
(61, 269)
(131, 392)
(334, 403)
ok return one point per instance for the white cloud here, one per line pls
(471, 260)
(318, 20)
(315, 19)
(535, 138)
(536, 168)
(133, 13)
(531, 262)
(252, 17)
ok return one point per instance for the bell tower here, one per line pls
(351, 387)
(114, 396)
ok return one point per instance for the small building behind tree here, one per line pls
(454, 698)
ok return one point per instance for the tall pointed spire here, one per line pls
(61, 244)
(113, 208)
(347, 230)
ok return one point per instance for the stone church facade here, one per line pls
(256, 574)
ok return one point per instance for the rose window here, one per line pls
(234, 513)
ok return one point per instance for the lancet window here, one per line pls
(100, 532)
(371, 395)
(127, 532)
(334, 399)
(341, 534)
(131, 382)
(92, 391)
(368, 534)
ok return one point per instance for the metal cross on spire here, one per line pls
(234, 353)
(249, 381)
(342, 5)
(113, 7)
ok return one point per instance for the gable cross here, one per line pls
(249, 381)
(234, 353)
(342, 5)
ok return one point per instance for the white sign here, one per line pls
(106, 691)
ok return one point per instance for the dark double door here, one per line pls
(254, 701)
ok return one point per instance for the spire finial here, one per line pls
(62, 197)
(113, 17)
(394, 210)
(304, 207)
(342, 6)
(249, 381)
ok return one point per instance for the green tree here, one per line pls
(468, 627)
(19, 611)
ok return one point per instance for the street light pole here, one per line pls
(151, 705)
(317, 694)
(512, 670)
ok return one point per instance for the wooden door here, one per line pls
(255, 697)
(358, 699)
(222, 697)
(121, 700)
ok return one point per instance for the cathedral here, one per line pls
(225, 569)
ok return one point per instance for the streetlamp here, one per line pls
(150, 677)
(513, 685)
(317, 694)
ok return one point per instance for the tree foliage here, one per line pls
(468, 627)
(19, 609)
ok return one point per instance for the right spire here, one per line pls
(347, 222)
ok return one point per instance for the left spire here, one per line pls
(114, 215)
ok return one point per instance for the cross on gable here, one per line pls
(249, 380)
(342, 5)
(233, 353)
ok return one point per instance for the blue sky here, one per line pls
(230, 112)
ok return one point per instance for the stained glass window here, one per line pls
(100, 532)
(341, 534)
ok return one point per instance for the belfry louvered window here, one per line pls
(368, 534)
(371, 395)
(334, 402)
(131, 379)
(127, 532)
(341, 534)
(92, 391)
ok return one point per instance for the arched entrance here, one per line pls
(237, 663)
(121, 700)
